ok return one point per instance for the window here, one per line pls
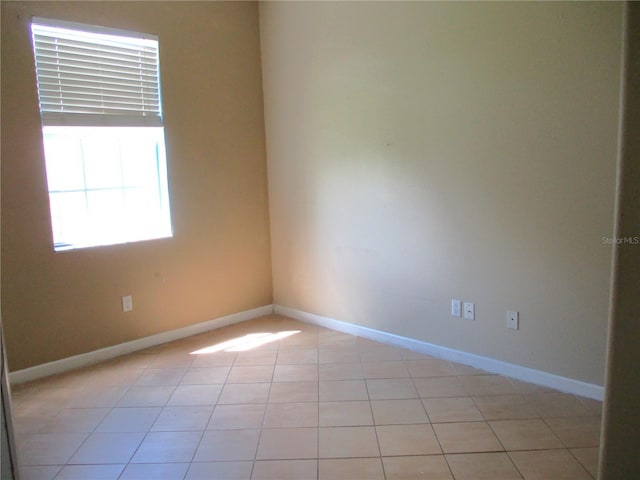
(103, 134)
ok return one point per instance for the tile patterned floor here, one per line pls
(273, 398)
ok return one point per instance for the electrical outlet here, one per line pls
(456, 307)
(469, 311)
(513, 320)
(127, 303)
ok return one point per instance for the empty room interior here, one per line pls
(403, 243)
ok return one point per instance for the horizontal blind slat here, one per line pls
(86, 49)
(149, 62)
(99, 120)
(51, 91)
(86, 83)
(108, 64)
(79, 105)
(96, 77)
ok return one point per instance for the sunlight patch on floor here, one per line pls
(246, 342)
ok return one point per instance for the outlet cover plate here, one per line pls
(127, 303)
(513, 320)
(469, 311)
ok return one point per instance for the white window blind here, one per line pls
(96, 78)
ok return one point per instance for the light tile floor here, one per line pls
(273, 398)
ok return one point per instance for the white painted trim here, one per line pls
(518, 372)
(89, 358)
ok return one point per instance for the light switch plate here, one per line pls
(456, 307)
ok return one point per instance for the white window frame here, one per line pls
(109, 82)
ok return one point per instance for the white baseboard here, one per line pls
(518, 372)
(89, 358)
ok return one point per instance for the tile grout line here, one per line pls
(567, 448)
(317, 342)
(373, 419)
(264, 415)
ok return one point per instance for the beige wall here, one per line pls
(59, 304)
(423, 151)
(620, 441)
